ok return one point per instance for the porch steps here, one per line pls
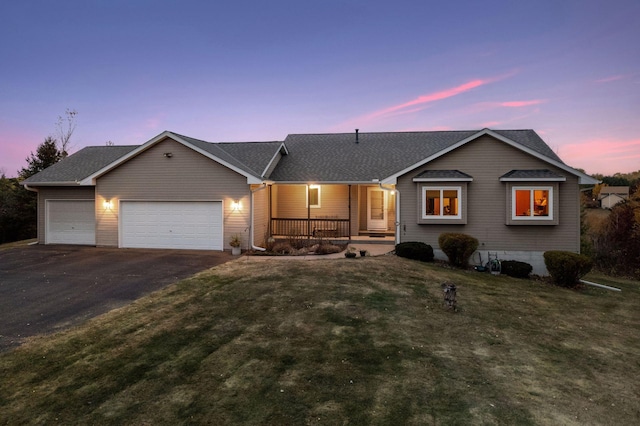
(368, 240)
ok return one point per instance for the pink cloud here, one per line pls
(611, 78)
(428, 98)
(490, 124)
(420, 103)
(606, 156)
(440, 128)
(519, 104)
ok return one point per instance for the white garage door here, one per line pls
(171, 224)
(70, 222)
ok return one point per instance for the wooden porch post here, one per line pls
(270, 209)
(308, 212)
(349, 201)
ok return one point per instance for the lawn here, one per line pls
(363, 341)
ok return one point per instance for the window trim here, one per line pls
(441, 188)
(532, 188)
(307, 190)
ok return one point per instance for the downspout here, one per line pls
(397, 209)
(38, 207)
(252, 227)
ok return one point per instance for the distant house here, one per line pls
(609, 196)
(507, 188)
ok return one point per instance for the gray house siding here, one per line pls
(185, 176)
(486, 160)
(58, 193)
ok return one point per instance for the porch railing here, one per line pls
(316, 228)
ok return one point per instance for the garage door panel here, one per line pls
(182, 225)
(70, 222)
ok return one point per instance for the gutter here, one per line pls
(29, 188)
(397, 208)
(251, 220)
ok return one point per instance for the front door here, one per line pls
(376, 209)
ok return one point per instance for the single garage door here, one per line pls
(70, 222)
(171, 224)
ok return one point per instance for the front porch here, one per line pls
(335, 212)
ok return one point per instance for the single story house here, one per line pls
(609, 196)
(507, 188)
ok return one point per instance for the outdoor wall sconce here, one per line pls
(107, 204)
(235, 205)
(168, 154)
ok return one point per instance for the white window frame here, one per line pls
(319, 188)
(442, 216)
(532, 189)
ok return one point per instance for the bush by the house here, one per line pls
(516, 269)
(282, 247)
(566, 268)
(327, 248)
(458, 247)
(415, 250)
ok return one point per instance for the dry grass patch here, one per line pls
(336, 342)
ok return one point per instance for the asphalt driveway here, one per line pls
(48, 288)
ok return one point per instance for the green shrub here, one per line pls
(566, 268)
(516, 269)
(415, 250)
(458, 247)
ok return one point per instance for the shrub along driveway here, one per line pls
(47, 288)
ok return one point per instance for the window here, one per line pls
(313, 196)
(441, 202)
(532, 203)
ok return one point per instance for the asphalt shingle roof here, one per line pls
(311, 157)
(442, 174)
(337, 157)
(531, 174)
(81, 164)
(252, 157)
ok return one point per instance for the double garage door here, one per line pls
(143, 224)
(171, 224)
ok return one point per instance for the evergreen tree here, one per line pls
(47, 154)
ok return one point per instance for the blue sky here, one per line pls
(255, 70)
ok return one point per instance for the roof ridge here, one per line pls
(390, 132)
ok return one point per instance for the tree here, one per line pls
(615, 181)
(18, 207)
(17, 211)
(47, 154)
(617, 245)
(65, 127)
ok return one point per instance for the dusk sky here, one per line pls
(259, 70)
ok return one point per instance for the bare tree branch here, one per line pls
(65, 127)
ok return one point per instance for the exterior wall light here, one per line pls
(107, 204)
(235, 205)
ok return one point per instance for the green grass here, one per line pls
(339, 342)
